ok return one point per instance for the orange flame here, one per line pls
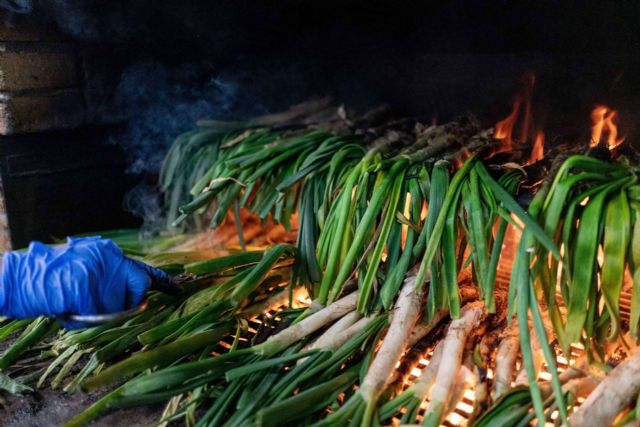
(537, 152)
(504, 128)
(460, 157)
(604, 120)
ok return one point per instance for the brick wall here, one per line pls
(39, 80)
(59, 174)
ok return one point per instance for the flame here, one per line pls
(604, 120)
(504, 128)
(537, 152)
(460, 157)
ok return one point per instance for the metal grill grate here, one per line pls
(464, 409)
(266, 323)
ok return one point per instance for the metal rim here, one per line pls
(97, 319)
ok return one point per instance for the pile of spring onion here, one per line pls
(401, 232)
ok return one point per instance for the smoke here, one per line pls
(89, 21)
(17, 6)
(75, 19)
(145, 22)
(161, 102)
(143, 201)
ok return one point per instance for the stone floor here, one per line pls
(52, 408)
(49, 408)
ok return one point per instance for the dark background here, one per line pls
(153, 67)
(427, 58)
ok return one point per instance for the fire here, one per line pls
(460, 157)
(537, 152)
(604, 121)
(520, 117)
(504, 128)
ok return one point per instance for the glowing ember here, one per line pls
(604, 121)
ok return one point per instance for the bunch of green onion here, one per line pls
(388, 215)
